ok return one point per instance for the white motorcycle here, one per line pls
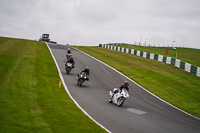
(118, 97)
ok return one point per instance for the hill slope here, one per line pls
(30, 98)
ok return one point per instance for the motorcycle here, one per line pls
(68, 56)
(81, 78)
(68, 68)
(119, 97)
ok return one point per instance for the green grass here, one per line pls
(170, 83)
(30, 99)
(189, 55)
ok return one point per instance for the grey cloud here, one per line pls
(90, 22)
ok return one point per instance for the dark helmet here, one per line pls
(126, 83)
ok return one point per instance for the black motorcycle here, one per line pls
(81, 78)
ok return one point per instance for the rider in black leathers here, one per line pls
(87, 71)
(124, 86)
(70, 60)
(68, 51)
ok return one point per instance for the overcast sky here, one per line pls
(92, 22)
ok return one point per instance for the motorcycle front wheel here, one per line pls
(80, 82)
(110, 100)
(120, 101)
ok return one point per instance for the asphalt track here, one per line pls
(141, 113)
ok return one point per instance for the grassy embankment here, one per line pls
(189, 55)
(170, 83)
(30, 99)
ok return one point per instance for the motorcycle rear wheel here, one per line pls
(80, 84)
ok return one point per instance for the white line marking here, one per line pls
(63, 82)
(139, 112)
(140, 85)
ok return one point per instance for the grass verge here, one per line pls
(189, 55)
(30, 99)
(172, 84)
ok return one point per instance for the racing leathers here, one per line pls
(70, 60)
(87, 71)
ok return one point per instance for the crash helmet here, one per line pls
(115, 90)
(126, 83)
(68, 48)
(87, 67)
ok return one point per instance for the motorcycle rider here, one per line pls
(69, 53)
(70, 60)
(87, 71)
(123, 86)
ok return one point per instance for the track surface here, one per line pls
(141, 113)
